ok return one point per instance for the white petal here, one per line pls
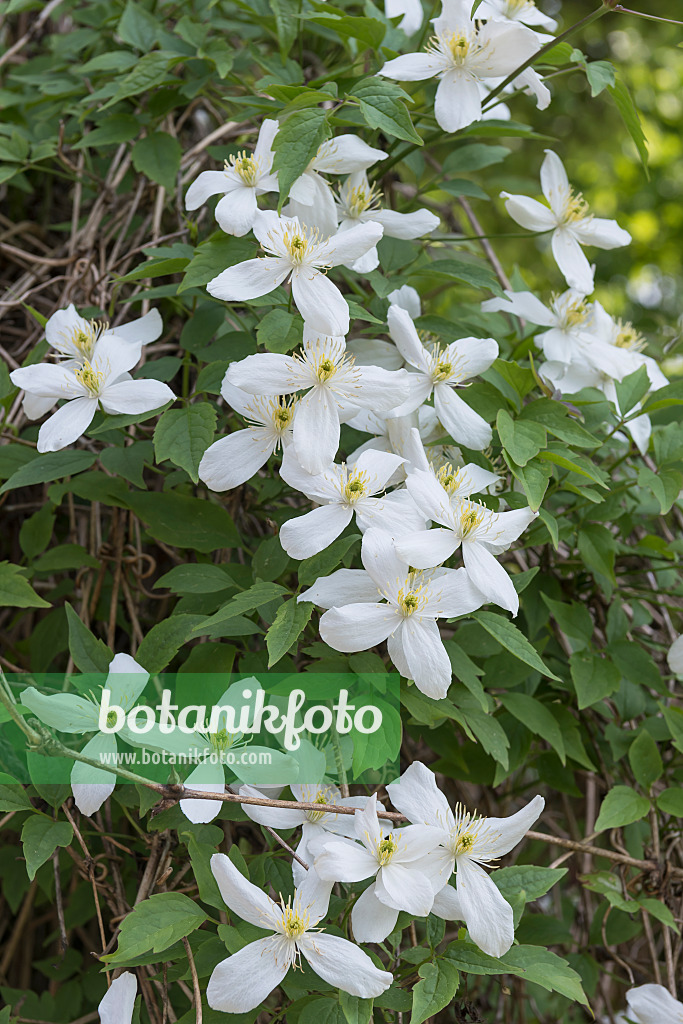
(675, 656)
(266, 373)
(313, 896)
(264, 143)
(125, 680)
(523, 304)
(458, 101)
(346, 154)
(345, 586)
(503, 48)
(412, 67)
(407, 225)
(241, 982)
(235, 212)
(35, 406)
(61, 326)
(130, 396)
(344, 965)
(143, 330)
(572, 262)
(314, 531)
(502, 834)
(489, 576)
(506, 527)
(249, 280)
(430, 666)
(413, 16)
(404, 888)
(347, 246)
(357, 627)
(233, 460)
(66, 712)
(207, 778)
(471, 356)
(453, 594)
(372, 920)
(48, 380)
(426, 549)
(604, 234)
(320, 302)
(447, 904)
(383, 390)
(367, 263)
(407, 298)
(67, 424)
(487, 914)
(382, 561)
(316, 430)
(653, 1004)
(117, 1005)
(239, 895)
(417, 795)
(275, 817)
(91, 786)
(403, 332)
(531, 214)
(343, 860)
(463, 424)
(318, 209)
(554, 181)
(372, 352)
(209, 183)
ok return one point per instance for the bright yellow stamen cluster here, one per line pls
(360, 199)
(471, 516)
(455, 44)
(221, 740)
(575, 313)
(386, 848)
(294, 923)
(449, 478)
(84, 338)
(90, 378)
(411, 599)
(466, 832)
(246, 165)
(356, 487)
(281, 413)
(629, 338)
(576, 208)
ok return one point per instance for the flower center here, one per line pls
(356, 487)
(455, 46)
(221, 740)
(294, 923)
(281, 413)
(514, 7)
(360, 199)
(111, 719)
(246, 166)
(411, 600)
(574, 314)
(91, 379)
(321, 797)
(629, 338)
(449, 480)
(85, 337)
(576, 208)
(468, 830)
(471, 516)
(386, 849)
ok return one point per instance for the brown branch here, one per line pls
(195, 983)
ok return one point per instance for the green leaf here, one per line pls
(258, 595)
(40, 837)
(547, 969)
(15, 589)
(600, 74)
(287, 24)
(290, 622)
(572, 617)
(474, 157)
(365, 30)
(155, 924)
(200, 857)
(185, 522)
(295, 145)
(158, 157)
(629, 115)
(632, 389)
(665, 484)
(280, 331)
(671, 801)
(322, 564)
(151, 70)
(183, 435)
(534, 478)
(51, 466)
(382, 106)
(204, 578)
(645, 760)
(521, 439)
(138, 27)
(594, 678)
(537, 718)
(164, 640)
(576, 463)
(36, 531)
(355, 1009)
(597, 549)
(212, 257)
(13, 796)
(534, 882)
(513, 640)
(437, 988)
(621, 806)
(89, 653)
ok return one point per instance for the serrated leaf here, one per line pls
(138, 27)
(645, 760)
(296, 144)
(155, 924)
(151, 70)
(537, 718)
(594, 678)
(280, 331)
(382, 105)
(183, 435)
(437, 988)
(521, 439)
(632, 389)
(290, 622)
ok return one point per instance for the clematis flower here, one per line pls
(410, 603)
(314, 824)
(119, 1002)
(304, 254)
(407, 298)
(412, 12)
(399, 863)
(234, 459)
(220, 749)
(569, 319)
(335, 388)
(341, 492)
(76, 338)
(653, 1004)
(244, 177)
(70, 712)
(481, 532)
(243, 980)
(440, 369)
(311, 198)
(463, 54)
(358, 203)
(467, 841)
(567, 216)
(524, 11)
(103, 381)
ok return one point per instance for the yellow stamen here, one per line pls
(356, 487)
(246, 165)
(629, 338)
(576, 208)
(358, 200)
(471, 516)
(386, 849)
(90, 378)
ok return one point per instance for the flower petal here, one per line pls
(207, 777)
(453, 594)
(266, 373)
(350, 245)
(235, 212)
(357, 627)
(233, 460)
(316, 430)
(126, 680)
(430, 666)
(572, 261)
(602, 233)
(66, 712)
(249, 280)
(412, 67)
(345, 586)
(141, 331)
(461, 421)
(383, 390)
(91, 786)
(554, 182)
(458, 101)
(447, 904)
(320, 302)
(653, 1004)
(117, 1005)
(241, 982)
(346, 154)
(489, 576)
(314, 531)
(522, 304)
(209, 183)
(487, 914)
(502, 834)
(129, 396)
(67, 424)
(417, 795)
(344, 965)
(471, 356)
(406, 225)
(404, 888)
(428, 548)
(382, 561)
(403, 332)
(529, 213)
(240, 895)
(344, 860)
(371, 919)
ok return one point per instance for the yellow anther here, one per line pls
(471, 516)
(629, 338)
(386, 848)
(245, 165)
(448, 478)
(574, 314)
(361, 199)
(111, 719)
(576, 208)
(281, 413)
(356, 487)
(85, 337)
(293, 922)
(91, 379)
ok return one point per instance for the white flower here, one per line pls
(103, 381)
(653, 1004)
(411, 602)
(412, 12)
(462, 55)
(314, 824)
(73, 336)
(300, 251)
(675, 657)
(70, 712)
(244, 177)
(467, 841)
(335, 386)
(234, 459)
(524, 11)
(440, 368)
(311, 198)
(119, 1002)
(568, 217)
(399, 862)
(246, 978)
(341, 492)
(407, 298)
(481, 532)
(358, 203)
